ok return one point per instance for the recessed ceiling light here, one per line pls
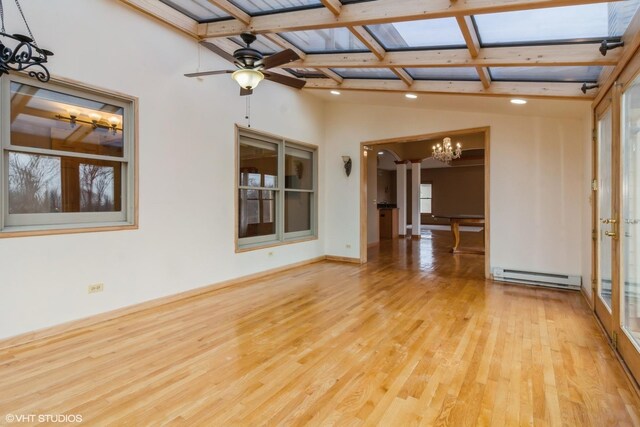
(411, 95)
(380, 153)
(335, 92)
(518, 101)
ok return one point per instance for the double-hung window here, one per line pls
(425, 198)
(276, 192)
(67, 158)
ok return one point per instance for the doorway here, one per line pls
(616, 216)
(404, 152)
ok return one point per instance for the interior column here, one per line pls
(415, 198)
(401, 196)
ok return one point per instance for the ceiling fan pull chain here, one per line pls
(248, 111)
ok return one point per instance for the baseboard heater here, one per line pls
(562, 281)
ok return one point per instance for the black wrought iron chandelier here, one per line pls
(21, 53)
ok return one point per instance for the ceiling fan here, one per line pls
(251, 63)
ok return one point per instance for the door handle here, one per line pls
(608, 221)
(610, 234)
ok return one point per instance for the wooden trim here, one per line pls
(147, 305)
(498, 89)
(363, 203)
(75, 230)
(349, 260)
(423, 137)
(383, 12)
(331, 74)
(165, 14)
(517, 56)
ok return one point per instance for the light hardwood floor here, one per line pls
(414, 337)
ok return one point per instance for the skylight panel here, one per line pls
(326, 40)
(569, 23)
(200, 10)
(546, 74)
(262, 44)
(262, 7)
(444, 73)
(305, 72)
(365, 73)
(428, 33)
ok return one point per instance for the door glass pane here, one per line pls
(605, 210)
(630, 227)
(297, 211)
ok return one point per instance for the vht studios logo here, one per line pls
(43, 418)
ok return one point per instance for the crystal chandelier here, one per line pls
(445, 152)
(20, 53)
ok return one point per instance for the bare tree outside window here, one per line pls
(34, 184)
(96, 188)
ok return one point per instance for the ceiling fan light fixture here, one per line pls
(247, 78)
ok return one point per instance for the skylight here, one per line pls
(326, 40)
(365, 73)
(427, 33)
(200, 10)
(444, 73)
(546, 74)
(569, 23)
(262, 7)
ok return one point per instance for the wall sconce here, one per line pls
(347, 164)
(96, 121)
(605, 46)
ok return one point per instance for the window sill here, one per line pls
(241, 249)
(11, 232)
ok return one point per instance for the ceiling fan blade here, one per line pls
(245, 92)
(280, 58)
(218, 50)
(285, 80)
(208, 73)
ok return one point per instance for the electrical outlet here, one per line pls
(96, 287)
(270, 253)
(348, 246)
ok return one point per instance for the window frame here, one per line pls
(426, 198)
(17, 225)
(280, 237)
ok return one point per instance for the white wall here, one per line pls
(537, 178)
(186, 233)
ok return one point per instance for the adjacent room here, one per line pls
(320, 212)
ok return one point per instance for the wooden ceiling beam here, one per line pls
(403, 75)
(232, 10)
(165, 14)
(518, 56)
(333, 5)
(485, 77)
(331, 74)
(506, 89)
(631, 38)
(472, 40)
(374, 12)
(368, 40)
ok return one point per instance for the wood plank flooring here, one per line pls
(414, 337)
